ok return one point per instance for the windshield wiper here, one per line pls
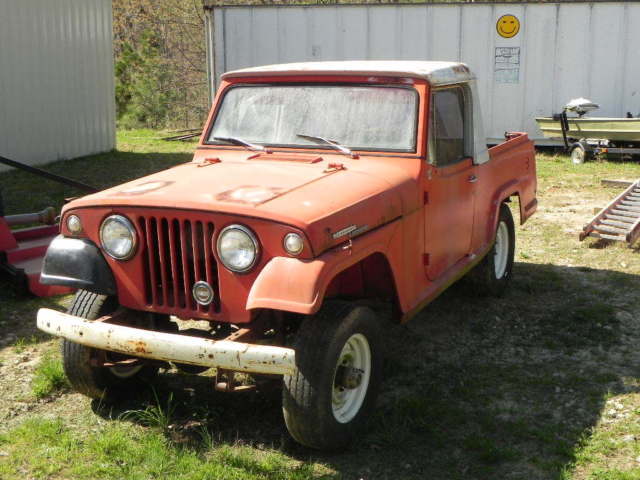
(332, 143)
(243, 143)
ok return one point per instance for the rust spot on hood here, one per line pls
(252, 194)
(142, 188)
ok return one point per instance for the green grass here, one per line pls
(632, 474)
(48, 376)
(22, 343)
(158, 415)
(542, 383)
(46, 448)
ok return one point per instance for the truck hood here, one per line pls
(322, 198)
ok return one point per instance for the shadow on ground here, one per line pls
(475, 387)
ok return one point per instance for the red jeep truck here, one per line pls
(315, 189)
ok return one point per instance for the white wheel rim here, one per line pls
(346, 402)
(125, 372)
(501, 249)
(577, 155)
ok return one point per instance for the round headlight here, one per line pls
(118, 237)
(237, 248)
(74, 225)
(293, 243)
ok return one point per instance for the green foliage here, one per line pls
(49, 376)
(143, 93)
(155, 416)
(160, 71)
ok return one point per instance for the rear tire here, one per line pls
(492, 275)
(327, 401)
(98, 382)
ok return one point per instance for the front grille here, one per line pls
(178, 254)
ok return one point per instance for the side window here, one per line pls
(448, 126)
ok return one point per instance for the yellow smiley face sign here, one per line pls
(508, 26)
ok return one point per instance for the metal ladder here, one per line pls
(618, 221)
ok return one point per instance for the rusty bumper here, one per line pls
(224, 354)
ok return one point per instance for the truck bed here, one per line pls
(510, 172)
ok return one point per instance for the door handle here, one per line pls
(473, 178)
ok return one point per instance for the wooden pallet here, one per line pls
(620, 220)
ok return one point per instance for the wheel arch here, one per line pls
(505, 195)
(370, 278)
(301, 286)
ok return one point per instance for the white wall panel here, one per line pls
(565, 50)
(445, 32)
(608, 48)
(56, 79)
(291, 24)
(631, 78)
(383, 33)
(476, 51)
(540, 39)
(413, 34)
(323, 26)
(354, 32)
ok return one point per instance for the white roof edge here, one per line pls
(436, 73)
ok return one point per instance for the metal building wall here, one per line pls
(565, 51)
(56, 79)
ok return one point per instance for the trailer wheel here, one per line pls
(578, 153)
(327, 401)
(98, 382)
(492, 275)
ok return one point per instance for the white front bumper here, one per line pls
(243, 357)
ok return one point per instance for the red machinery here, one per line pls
(22, 250)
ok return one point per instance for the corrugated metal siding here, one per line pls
(56, 79)
(566, 50)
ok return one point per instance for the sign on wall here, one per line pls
(507, 65)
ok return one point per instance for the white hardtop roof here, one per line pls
(436, 73)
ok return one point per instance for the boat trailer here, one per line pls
(583, 149)
(24, 238)
(608, 135)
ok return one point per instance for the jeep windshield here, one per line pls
(358, 117)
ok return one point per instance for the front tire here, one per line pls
(492, 275)
(93, 381)
(327, 401)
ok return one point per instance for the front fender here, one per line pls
(297, 285)
(77, 263)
